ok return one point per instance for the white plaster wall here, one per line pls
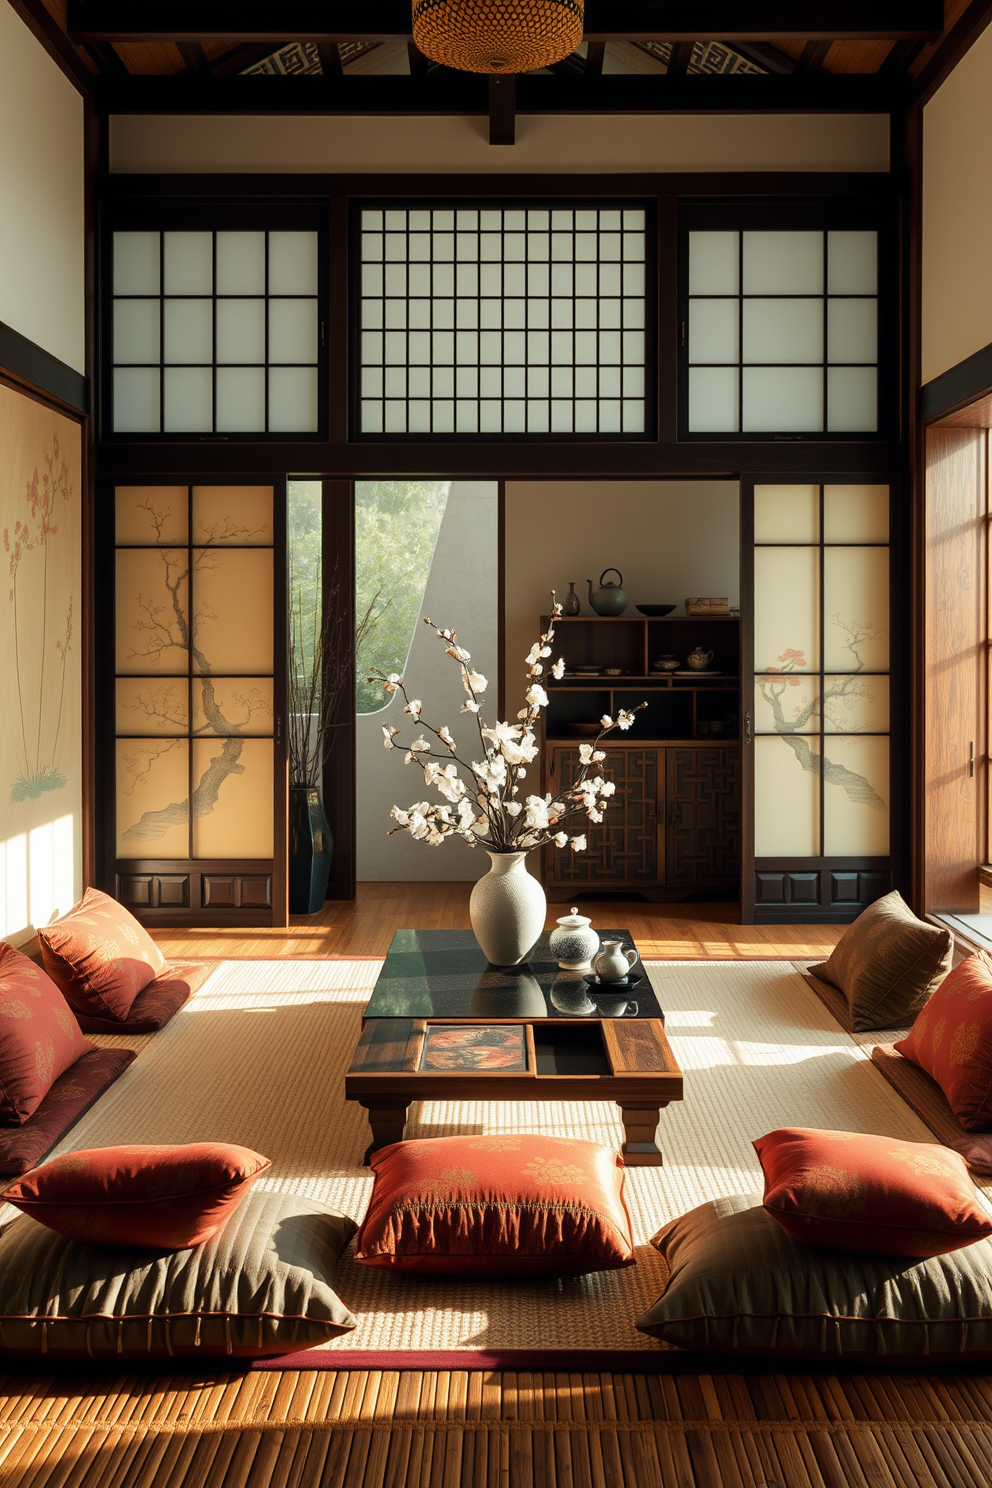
(461, 595)
(42, 284)
(569, 144)
(669, 539)
(957, 214)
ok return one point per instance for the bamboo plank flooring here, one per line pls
(750, 1428)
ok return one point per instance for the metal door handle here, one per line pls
(971, 759)
(747, 727)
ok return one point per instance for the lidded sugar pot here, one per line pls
(574, 943)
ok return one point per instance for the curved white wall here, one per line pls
(42, 274)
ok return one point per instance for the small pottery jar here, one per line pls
(613, 962)
(574, 943)
(570, 604)
(699, 659)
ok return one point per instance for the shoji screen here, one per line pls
(821, 717)
(195, 697)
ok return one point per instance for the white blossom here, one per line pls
(459, 653)
(388, 735)
(445, 736)
(536, 696)
(469, 707)
(585, 754)
(512, 808)
(578, 844)
(624, 718)
(558, 670)
(561, 839)
(598, 756)
(419, 745)
(606, 721)
(476, 681)
(537, 812)
(515, 745)
(533, 654)
(414, 707)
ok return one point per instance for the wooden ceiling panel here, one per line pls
(150, 58)
(857, 56)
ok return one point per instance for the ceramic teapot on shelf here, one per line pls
(699, 659)
(608, 599)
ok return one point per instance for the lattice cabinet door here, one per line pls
(703, 826)
(626, 849)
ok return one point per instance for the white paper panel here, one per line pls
(852, 394)
(780, 330)
(136, 263)
(292, 330)
(293, 263)
(852, 330)
(189, 263)
(239, 823)
(786, 609)
(786, 798)
(240, 263)
(241, 400)
(152, 787)
(855, 704)
(714, 334)
(714, 263)
(189, 335)
(136, 400)
(856, 609)
(188, 400)
(856, 796)
(786, 514)
(293, 400)
(136, 330)
(152, 705)
(713, 400)
(852, 262)
(777, 263)
(148, 515)
(788, 704)
(233, 516)
(783, 399)
(241, 330)
(856, 514)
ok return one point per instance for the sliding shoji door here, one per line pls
(819, 729)
(198, 769)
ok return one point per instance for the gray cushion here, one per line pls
(738, 1282)
(262, 1285)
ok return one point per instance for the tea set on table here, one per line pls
(593, 983)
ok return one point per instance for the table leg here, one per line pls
(640, 1131)
(387, 1120)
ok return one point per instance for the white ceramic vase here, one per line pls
(507, 908)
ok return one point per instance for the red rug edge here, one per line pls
(562, 1361)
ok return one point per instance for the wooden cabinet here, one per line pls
(674, 823)
(674, 826)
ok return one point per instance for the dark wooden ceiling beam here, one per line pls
(595, 57)
(962, 35)
(447, 92)
(813, 56)
(764, 54)
(44, 27)
(503, 110)
(605, 20)
(193, 55)
(239, 58)
(681, 57)
(330, 59)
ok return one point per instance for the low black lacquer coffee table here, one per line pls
(442, 1024)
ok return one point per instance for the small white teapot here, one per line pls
(613, 962)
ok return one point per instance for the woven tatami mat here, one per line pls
(258, 1057)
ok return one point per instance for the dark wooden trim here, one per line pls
(340, 769)
(444, 92)
(123, 192)
(952, 48)
(503, 110)
(957, 387)
(605, 20)
(911, 362)
(747, 699)
(280, 741)
(501, 598)
(26, 362)
(94, 137)
(44, 27)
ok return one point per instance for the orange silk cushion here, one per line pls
(100, 956)
(168, 1197)
(496, 1206)
(874, 1194)
(952, 1040)
(39, 1037)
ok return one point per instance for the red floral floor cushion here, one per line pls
(100, 956)
(39, 1037)
(169, 1197)
(23, 1147)
(952, 1041)
(495, 1206)
(154, 1004)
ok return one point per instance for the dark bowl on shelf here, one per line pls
(654, 612)
(583, 728)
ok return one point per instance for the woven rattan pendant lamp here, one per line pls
(497, 35)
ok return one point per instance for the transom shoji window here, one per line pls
(215, 332)
(783, 332)
(503, 321)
